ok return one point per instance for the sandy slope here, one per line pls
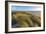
(25, 19)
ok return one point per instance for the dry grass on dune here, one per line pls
(27, 20)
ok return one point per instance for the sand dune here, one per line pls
(26, 19)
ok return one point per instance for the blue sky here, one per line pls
(23, 8)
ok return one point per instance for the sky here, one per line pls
(25, 8)
(34, 10)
